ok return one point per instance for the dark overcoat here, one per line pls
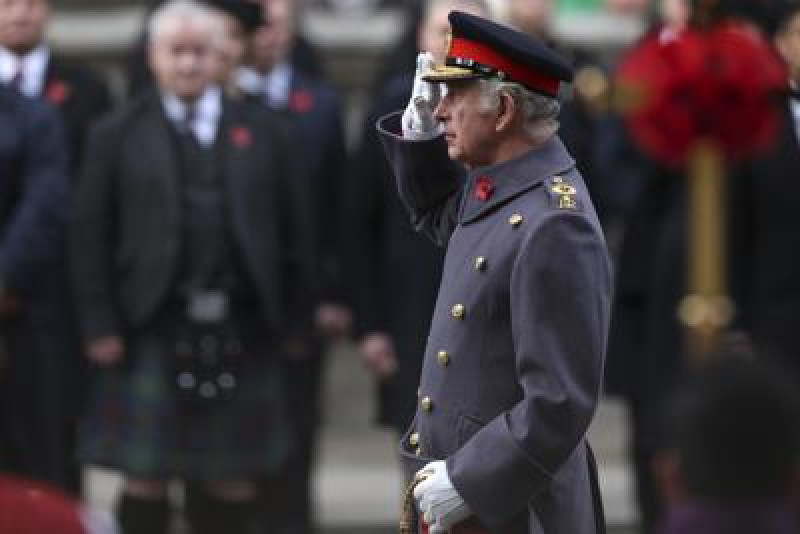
(37, 399)
(514, 361)
(764, 269)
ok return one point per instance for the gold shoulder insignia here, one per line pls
(562, 193)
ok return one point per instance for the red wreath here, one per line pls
(719, 84)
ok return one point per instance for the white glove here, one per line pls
(418, 121)
(438, 501)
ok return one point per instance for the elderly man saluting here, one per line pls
(514, 360)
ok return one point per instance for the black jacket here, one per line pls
(125, 239)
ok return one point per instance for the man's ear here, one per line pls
(506, 112)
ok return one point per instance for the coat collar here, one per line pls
(511, 178)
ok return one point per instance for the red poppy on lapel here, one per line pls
(301, 101)
(241, 136)
(484, 187)
(57, 92)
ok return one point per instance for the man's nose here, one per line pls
(440, 111)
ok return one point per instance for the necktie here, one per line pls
(16, 81)
(186, 126)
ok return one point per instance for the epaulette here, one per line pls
(563, 195)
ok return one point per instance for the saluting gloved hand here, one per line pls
(438, 501)
(418, 121)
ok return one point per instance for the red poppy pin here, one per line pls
(484, 187)
(57, 92)
(301, 101)
(241, 137)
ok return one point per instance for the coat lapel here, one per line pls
(488, 188)
(159, 149)
(236, 141)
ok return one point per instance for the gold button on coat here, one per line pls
(480, 263)
(426, 404)
(458, 311)
(413, 439)
(515, 220)
(443, 358)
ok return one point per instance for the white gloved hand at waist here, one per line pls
(437, 500)
(418, 120)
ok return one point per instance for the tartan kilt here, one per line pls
(136, 424)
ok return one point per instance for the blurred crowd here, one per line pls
(175, 266)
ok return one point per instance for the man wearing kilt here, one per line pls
(190, 266)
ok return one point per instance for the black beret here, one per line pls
(249, 14)
(480, 48)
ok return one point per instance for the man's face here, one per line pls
(434, 31)
(788, 44)
(272, 42)
(231, 46)
(181, 58)
(22, 23)
(469, 129)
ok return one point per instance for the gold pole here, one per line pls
(707, 309)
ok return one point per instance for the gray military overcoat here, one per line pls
(514, 360)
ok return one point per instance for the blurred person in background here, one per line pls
(37, 406)
(238, 20)
(394, 270)
(731, 457)
(191, 265)
(139, 76)
(764, 193)
(28, 64)
(645, 348)
(313, 108)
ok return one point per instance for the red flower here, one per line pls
(57, 92)
(241, 137)
(484, 187)
(301, 101)
(717, 84)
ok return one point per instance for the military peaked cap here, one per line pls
(480, 48)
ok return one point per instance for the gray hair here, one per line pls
(166, 15)
(540, 112)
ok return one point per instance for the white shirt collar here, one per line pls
(208, 110)
(277, 85)
(33, 66)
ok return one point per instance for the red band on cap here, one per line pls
(465, 49)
